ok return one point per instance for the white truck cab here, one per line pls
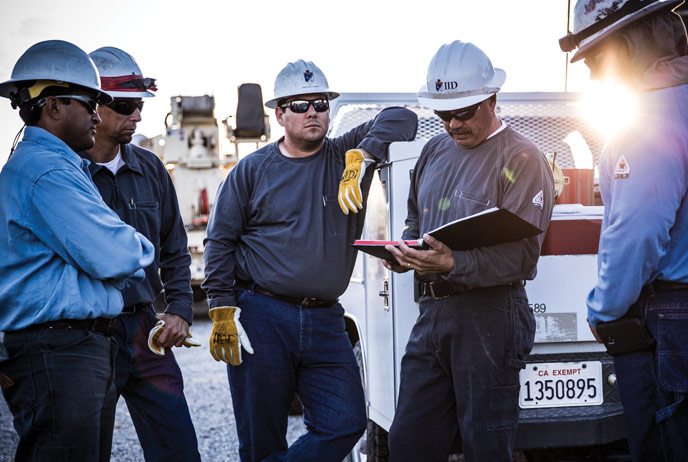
(568, 394)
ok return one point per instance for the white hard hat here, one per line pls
(300, 78)
(52, 61)
(120, 76)
(594, 21)
(459, 75)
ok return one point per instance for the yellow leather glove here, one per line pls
(350, 196)
(228, 335)
(154, 334)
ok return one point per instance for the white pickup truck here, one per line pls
(568, 393)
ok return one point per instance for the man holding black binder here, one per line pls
(460, 373)
(639, 306)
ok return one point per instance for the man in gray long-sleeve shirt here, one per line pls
(278, 252)
(475, 329)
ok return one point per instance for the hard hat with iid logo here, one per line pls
(459, 75)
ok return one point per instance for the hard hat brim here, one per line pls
(594, 40)
(130, 94)
(460, 100)
(272, 104)
(11, 85)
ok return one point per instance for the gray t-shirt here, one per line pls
(451, 182)
(276, 220)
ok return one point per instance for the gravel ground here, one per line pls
(207, 392)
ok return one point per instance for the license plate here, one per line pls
(561, 384)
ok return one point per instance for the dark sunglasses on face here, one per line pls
(89, 102)
(300, 106)
(461, 115)
(126, 106)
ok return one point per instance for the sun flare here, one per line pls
(608, 107)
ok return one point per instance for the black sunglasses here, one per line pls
(90, 102)
(125, 106)
(461, 115)
(300, 106)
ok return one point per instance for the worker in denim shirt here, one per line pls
(66, 256)
(643, 253)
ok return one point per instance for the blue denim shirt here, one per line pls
(142, 194)
(64, 253)
(644, 184)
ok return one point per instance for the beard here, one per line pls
(124, 138)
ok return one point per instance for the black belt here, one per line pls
(104, 326)
(306, 302)
(135, 308)
(444, 289)
(660, 286)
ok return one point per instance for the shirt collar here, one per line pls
(128, 156)
(53, 143)
(501, 128)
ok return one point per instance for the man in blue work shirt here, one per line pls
(278, 252)
(136, 185)
(65, 257)
(643, 253)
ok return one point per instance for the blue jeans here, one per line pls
(302, 351)
(654, 384)
(459, 376)
(62, 396)
(153, 389)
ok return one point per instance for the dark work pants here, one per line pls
(654, 384)
(296, 350)
(460, 374)
(153, 389)
(61, 394)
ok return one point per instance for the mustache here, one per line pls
(459, 131)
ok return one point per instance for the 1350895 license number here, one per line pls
(561, 384)
(550, 389)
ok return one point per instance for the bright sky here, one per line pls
(210, 47)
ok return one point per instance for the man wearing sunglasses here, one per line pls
(278, 252)
(65, 256)
(136, 185)
(642, 272)
(460, 372)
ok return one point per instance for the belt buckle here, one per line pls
(109, 327)
(112, 325)
(432, 291)
(306, 302)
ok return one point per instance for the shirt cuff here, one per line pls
(183, 311)
(460, 267)
(223, 301)
(375, 148)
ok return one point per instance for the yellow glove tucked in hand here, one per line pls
(350, 196)
(228, 335)
(155, 334)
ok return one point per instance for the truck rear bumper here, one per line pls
(570, 426)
